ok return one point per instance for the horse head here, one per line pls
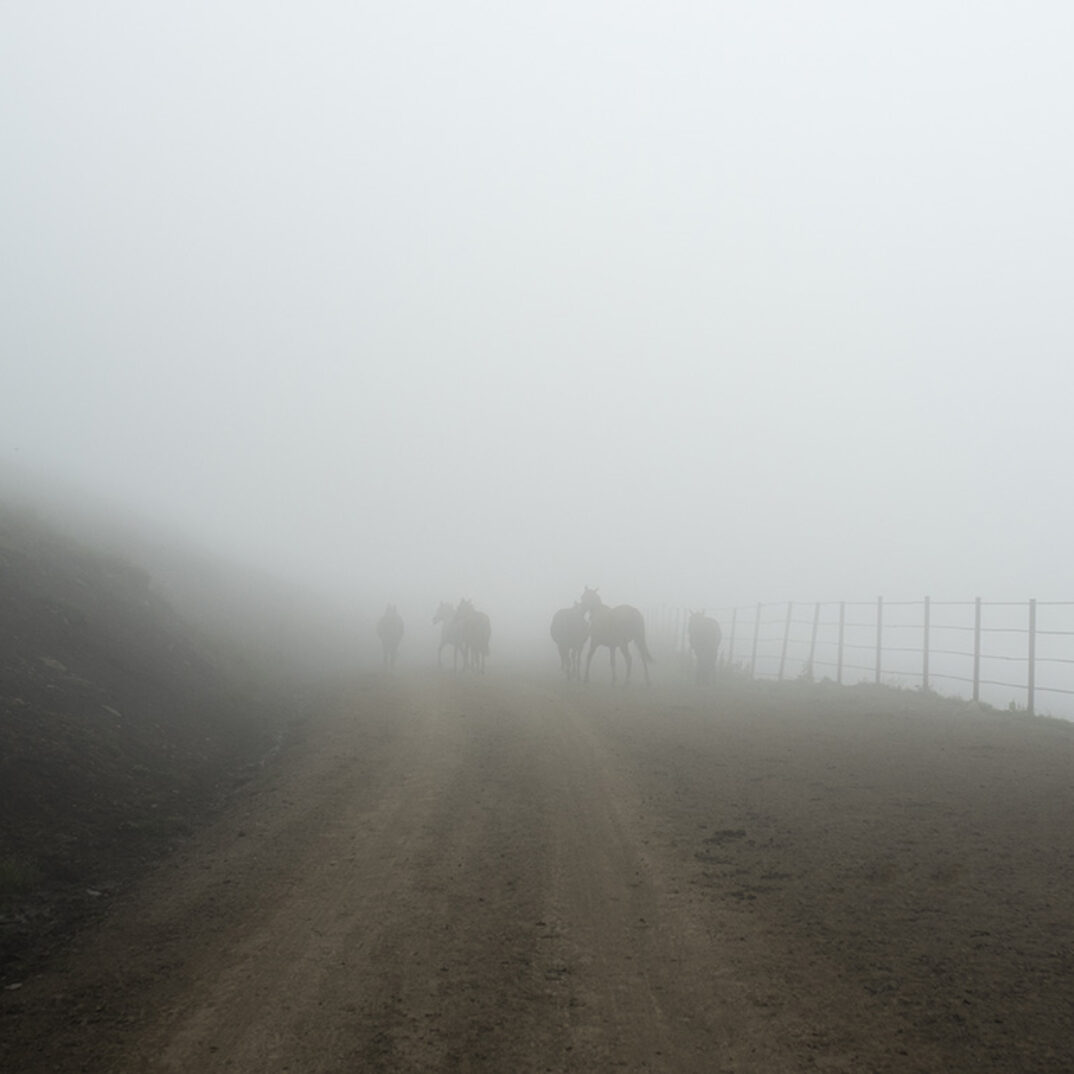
(590, 600)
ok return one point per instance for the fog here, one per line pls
(702, 304)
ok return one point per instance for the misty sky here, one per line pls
(703, 303)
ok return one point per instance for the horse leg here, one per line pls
(589, 660)
(611, 649)
(629, 661)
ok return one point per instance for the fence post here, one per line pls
(813, 638)
(925, 653)
(731, 643)
(879, 634)
(1032, 685)
(976, 648)
(786, 636)
(842, 630)
(756, 631)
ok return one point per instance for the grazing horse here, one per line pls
(705, 636)
(476, 632)
(569, 631)
(615, 627)
(450, 634)
(390, 630)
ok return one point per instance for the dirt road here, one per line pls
(513, 874)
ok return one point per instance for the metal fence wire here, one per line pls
(1000, 652)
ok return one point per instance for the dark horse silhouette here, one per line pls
(615, 627)
(390, 630)
(569, 631)
(476, 630)
(450, 633)
(705, 636)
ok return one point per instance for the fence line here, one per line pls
(914, 642)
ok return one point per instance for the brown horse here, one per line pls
(705, 636)
(615, 627)
(569, 631)
(450, 634)
(390, 631)
(476, 630)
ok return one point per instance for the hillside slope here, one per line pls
(119, 729)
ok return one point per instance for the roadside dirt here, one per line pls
(513, 874)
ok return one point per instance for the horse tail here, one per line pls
(643, 648)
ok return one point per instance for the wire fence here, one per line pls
(1011, 654)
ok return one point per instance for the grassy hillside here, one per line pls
(120, 728)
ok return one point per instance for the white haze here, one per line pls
(698, 303)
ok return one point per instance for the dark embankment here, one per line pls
(121, 728)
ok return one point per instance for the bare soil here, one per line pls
(509, 873)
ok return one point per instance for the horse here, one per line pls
(569, 631)
(476, 632)
(705, 636)
(615, 627)
(390, 630)
(450, 634)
